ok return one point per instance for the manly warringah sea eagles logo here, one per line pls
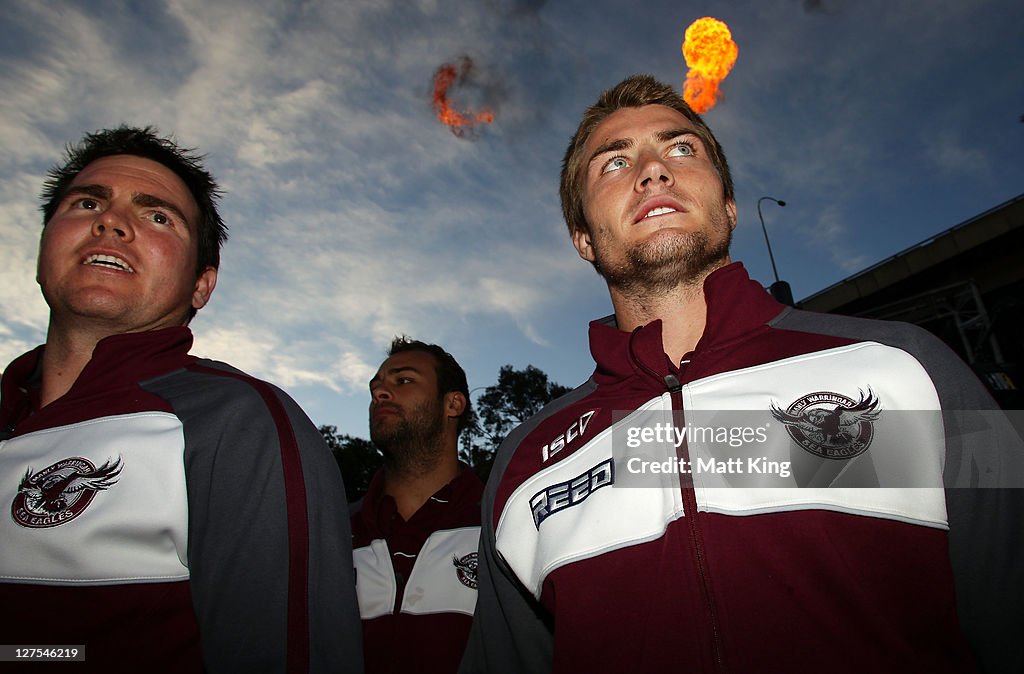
(59, 493)
(831, 425)
(465, 569)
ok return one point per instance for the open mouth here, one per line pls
(108, 261)
(661, 210)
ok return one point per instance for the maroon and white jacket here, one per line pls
(816, 537)
(172, 514)
(417, 580)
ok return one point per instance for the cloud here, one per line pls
(346, 278)
(831, 234)
(286, 362)
(355, 215)
(20, 227)
(950, 155)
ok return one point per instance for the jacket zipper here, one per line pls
(399, 589)
(689, 497)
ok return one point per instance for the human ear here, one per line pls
(584, 246)
(205, 284)
(454, 404)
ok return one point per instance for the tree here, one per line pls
(357, 458)
(518, 395)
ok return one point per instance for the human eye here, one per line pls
(85, 204)
(160, 218)
(614, 164)
(684, 148)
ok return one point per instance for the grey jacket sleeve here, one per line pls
(985, 507)
(511, 633)
(269, 547)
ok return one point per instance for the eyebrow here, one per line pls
(138, 198)
(620, 144)
(612, 146)
(98, 191)
(149, 201)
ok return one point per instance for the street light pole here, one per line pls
(780, 290)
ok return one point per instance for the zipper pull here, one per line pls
(672, 381)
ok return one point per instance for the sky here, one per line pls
(356, 216)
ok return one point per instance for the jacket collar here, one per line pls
(116, 361)
(378, 509)
(736, 305)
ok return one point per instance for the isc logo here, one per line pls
(574, 431)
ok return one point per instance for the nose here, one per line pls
(380, 393)
(653, 171)
(112, 221)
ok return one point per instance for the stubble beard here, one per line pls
(664, 262)
(411, 444)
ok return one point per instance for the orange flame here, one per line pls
(710, 53)
(459, 122)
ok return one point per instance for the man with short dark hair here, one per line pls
(167, 513)
(740, 486)
(416, 531)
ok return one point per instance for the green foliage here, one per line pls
(518, 395)
(357, 458)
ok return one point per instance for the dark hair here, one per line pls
(633, 92)
(450, 375)
(184, 162)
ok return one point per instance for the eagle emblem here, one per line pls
(59, 493)
(831, 425)
(465, 569)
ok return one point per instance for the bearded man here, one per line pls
(415, 533)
